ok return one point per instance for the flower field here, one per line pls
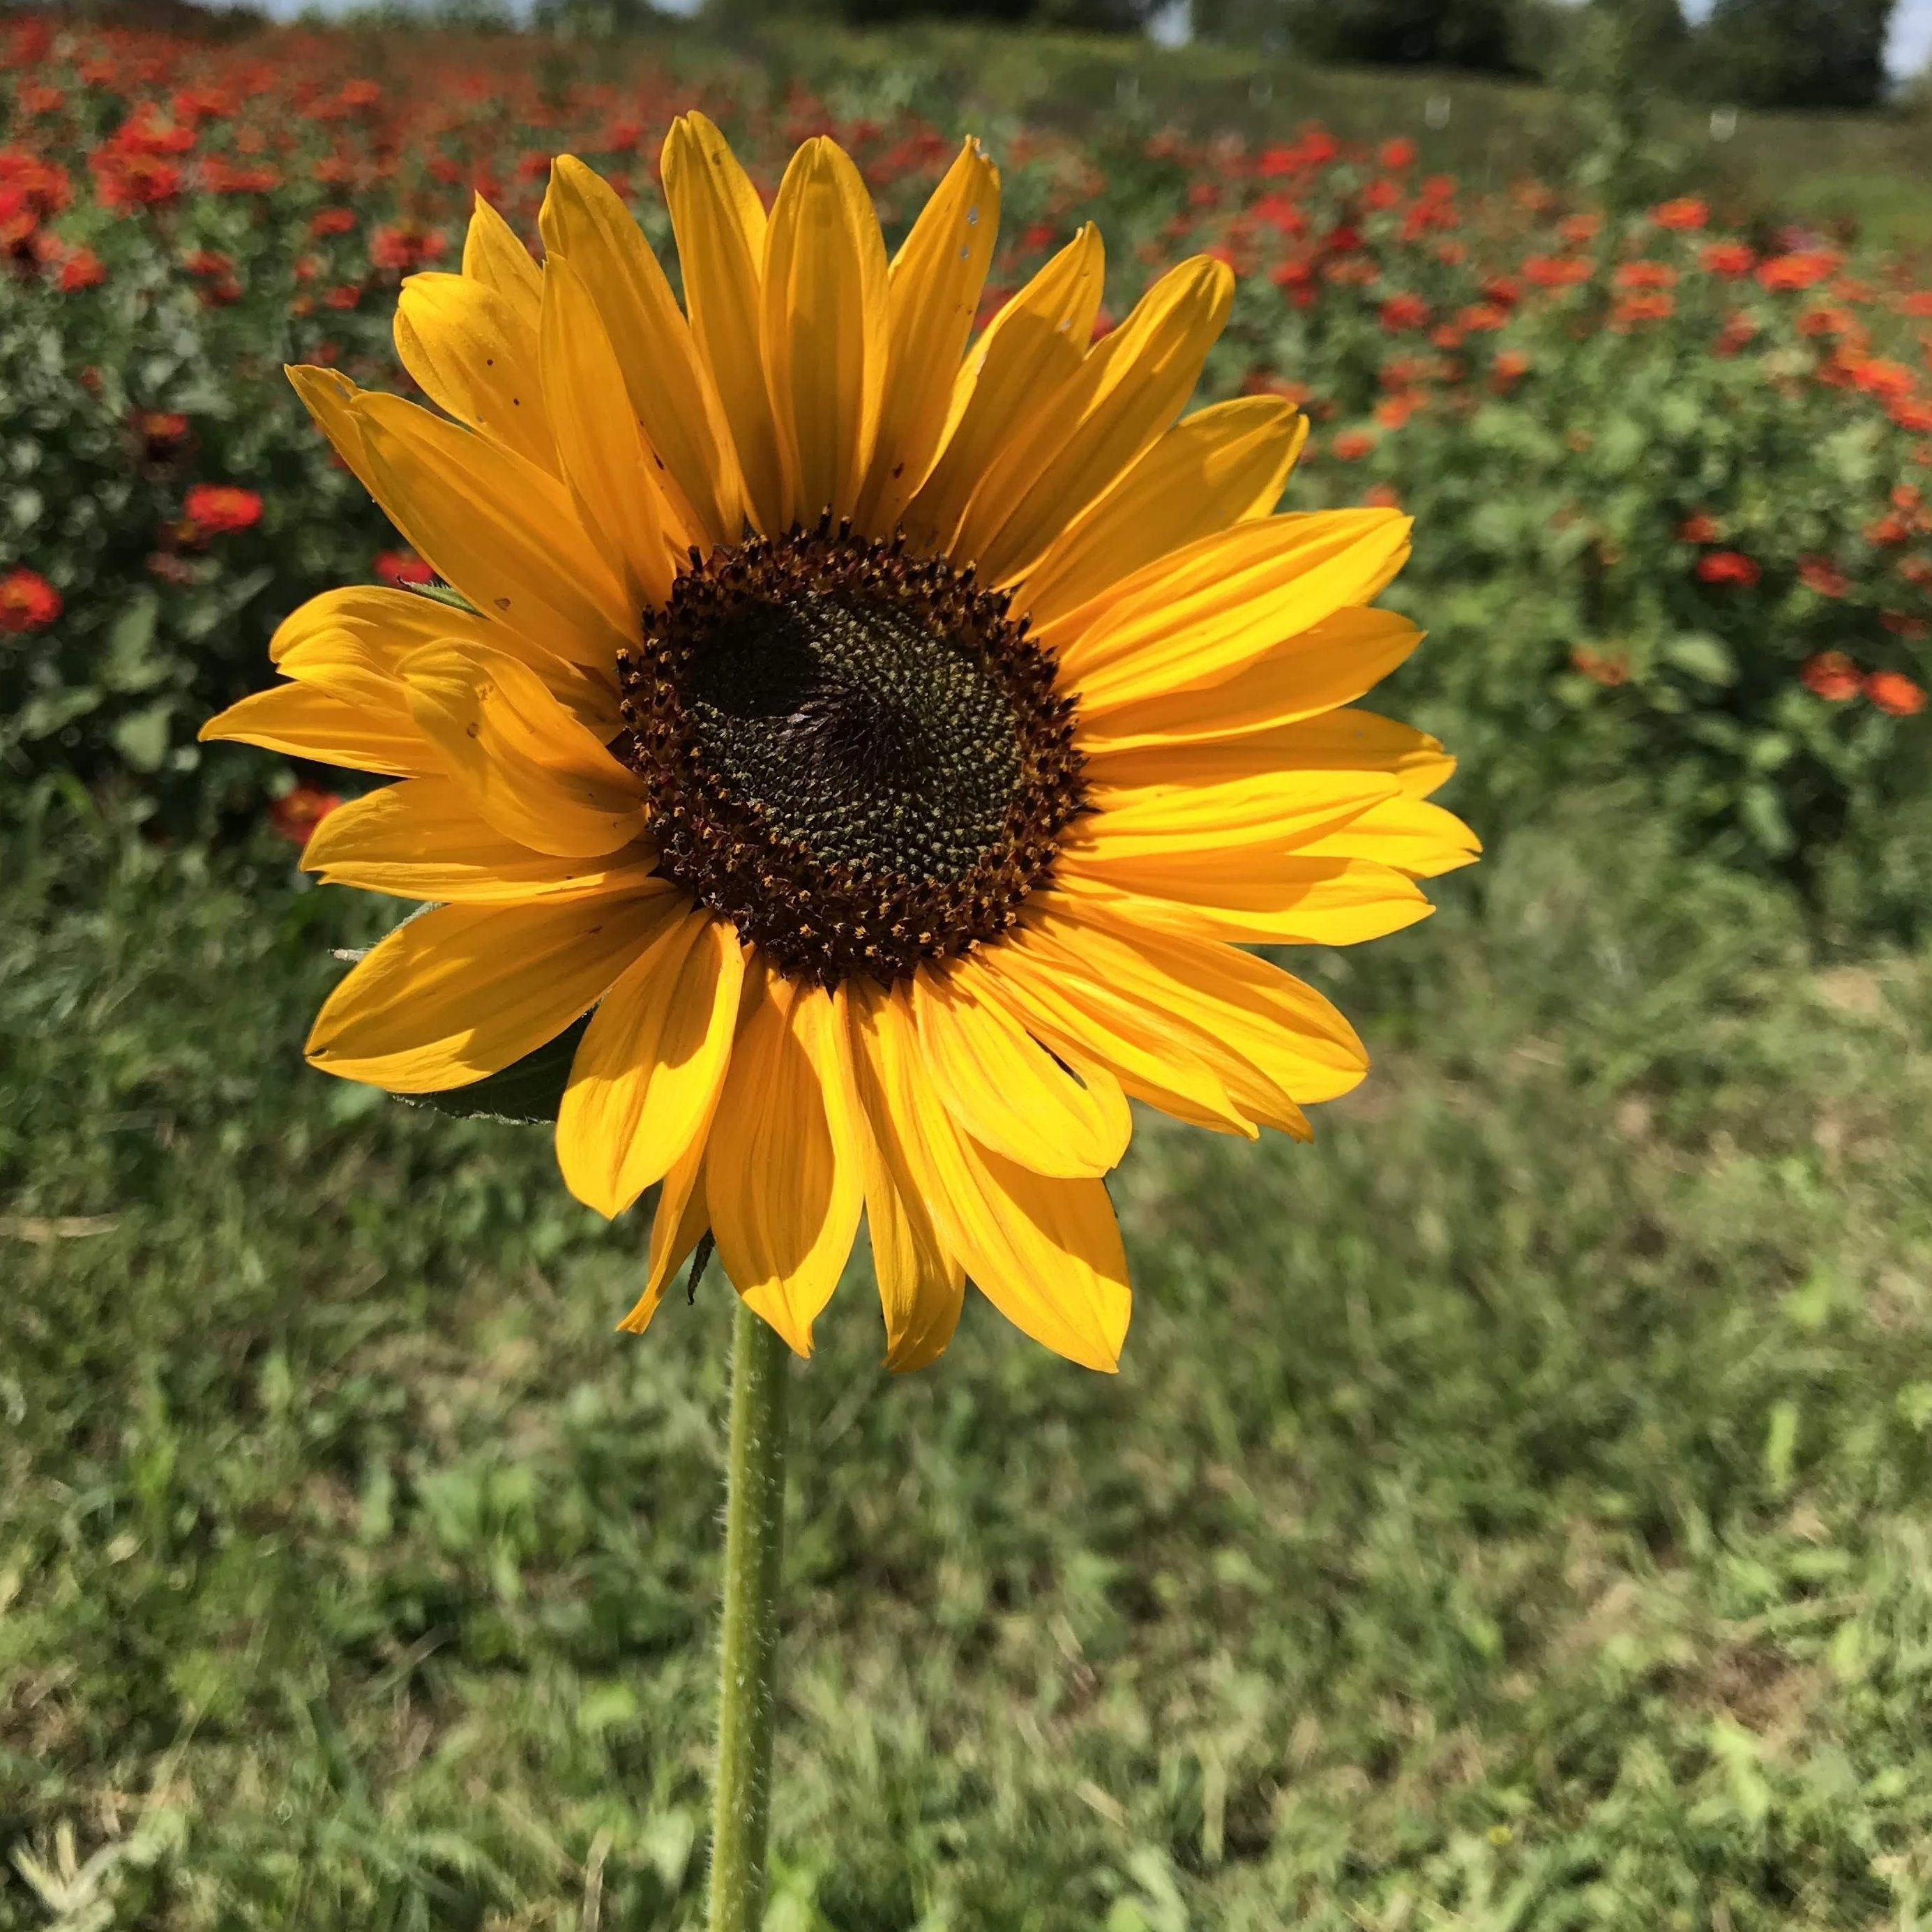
(1673, 474)
(1509, 1514)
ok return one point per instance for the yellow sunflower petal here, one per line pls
(1410, 834)
(533, 771)
(492, 255)
(423, 839)
(1291, 902)
(329, 397)
(720, 226)
(1244, 1015)
(1281, 811)
(344, 666)
(1044, 1251)
(603, 457)
(389, 624)
(934, 294)
(366, 669)
(475, 355)
(1084, 1020)
(460, 991)
(676, 402)
(1141, 1003)
(1344, 740)
(823, 328)
(921, 1286)
(649, 1069)
(505, 533)
(1292, 684)
(1219, 467)
(781, 1172)
(1135, 382)
(304, 722)
(676, 1226)
(1213, 609)
(1008, 1093)
(1033, 347)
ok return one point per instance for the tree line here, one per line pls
(1767, 53)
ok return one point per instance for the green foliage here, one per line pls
(1612, 59)
(530, 1090)
(1552, 450)
(1510, 1512)
(1796, 53)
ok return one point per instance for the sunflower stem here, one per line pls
(754, 1537)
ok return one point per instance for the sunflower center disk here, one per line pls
(850, 753)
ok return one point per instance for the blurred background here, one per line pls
(1511, 1512)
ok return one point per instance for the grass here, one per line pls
(1509, 1514)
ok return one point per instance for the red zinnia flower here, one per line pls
(1686, 210)
(1727, 566)
(219, 509)
(1603, 668)
(1404, 311)
(163, 434)
(1821, 574)
(1699, 527)
(1802, 271)
(1352, 445)
(1895, 693)
(400, 567)
(405, 246)
(1555, 271)
(27, 601)
(1728, 258)
(1831, 675)
(296, 814)
(1648, 307)
(79, 268)
(1877, 376)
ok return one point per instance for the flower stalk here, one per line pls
(754, 1541)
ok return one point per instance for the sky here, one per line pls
(1911, 28)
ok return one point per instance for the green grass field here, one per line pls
(1510, 1513)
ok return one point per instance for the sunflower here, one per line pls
(891, 744)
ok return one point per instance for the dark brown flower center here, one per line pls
(851, 753)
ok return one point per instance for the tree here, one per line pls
(1439, 33)
(1795, 53)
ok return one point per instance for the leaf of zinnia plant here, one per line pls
(529, 1089)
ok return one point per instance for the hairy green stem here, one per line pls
(754, 1538)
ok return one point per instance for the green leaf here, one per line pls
(531, 1089)
(1763, 816)
(128, 663)
(142, 738)
(442, 593)
(1703, 656)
